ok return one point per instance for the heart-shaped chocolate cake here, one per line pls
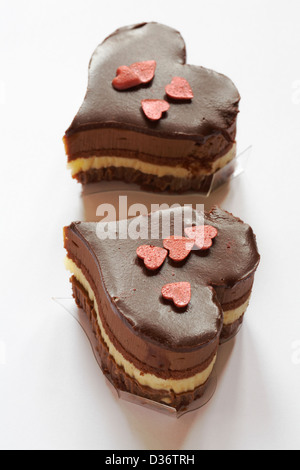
(160, 307)
(150, 118)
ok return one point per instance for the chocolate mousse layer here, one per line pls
(195, 134)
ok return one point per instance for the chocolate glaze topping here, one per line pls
(146, 328)
(213, 109)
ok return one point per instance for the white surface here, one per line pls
(52, 395)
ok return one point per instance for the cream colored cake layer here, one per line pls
(97, 163)
(145, 379)
(230, 316)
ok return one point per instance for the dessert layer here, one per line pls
(145, 379)
(148, 148)
(230, 316)
(95, 163)
(230, 330)
(147, 182)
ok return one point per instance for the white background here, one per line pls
(52, 394)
